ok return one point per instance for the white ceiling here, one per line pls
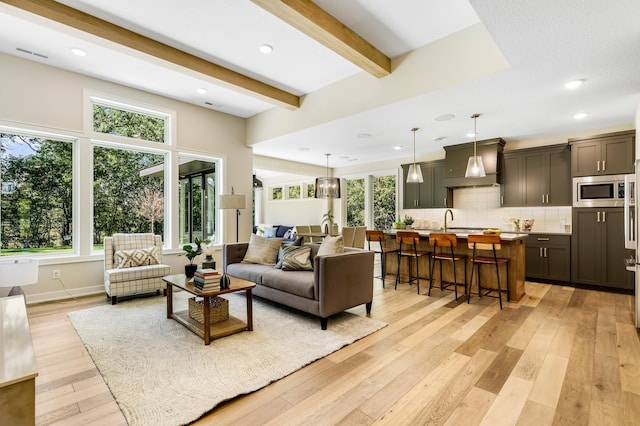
(545, 42)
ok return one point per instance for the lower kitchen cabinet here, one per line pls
(597, 248)
(548, 257)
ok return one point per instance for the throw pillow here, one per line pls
(263, 251)
(269, 232)
(331, 245)
(296, 259)
(137, 257)
(296, 243)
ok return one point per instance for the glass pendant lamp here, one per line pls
(475, 168)
(415, 172)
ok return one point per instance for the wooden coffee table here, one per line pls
(207, 330)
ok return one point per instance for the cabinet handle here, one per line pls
(542, 198)
(547, 198)
(501, 199)
(541, 255)
(543, 239)
(598, 164)
(604, 165)
(604, 216)
(598, 220)
(445, 201)
(545, 252)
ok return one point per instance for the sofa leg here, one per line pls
(369, 307)
(114, 300)
(323, 323)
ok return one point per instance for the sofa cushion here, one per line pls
(296, 259)
(263, 251)
(248, 271)
(299, 283)
(137, 257)
(331, 245)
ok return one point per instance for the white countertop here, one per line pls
(17, 358)
(463, 233)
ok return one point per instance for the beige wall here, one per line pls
(38, 97)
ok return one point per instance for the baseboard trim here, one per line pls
(64, 294)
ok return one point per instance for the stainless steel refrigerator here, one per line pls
(631, 232)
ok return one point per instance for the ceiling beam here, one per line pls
(307, 17)
(90, 24)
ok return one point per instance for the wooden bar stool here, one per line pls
(378, 237)
(446, 242)
(492, 243)
(409, 241)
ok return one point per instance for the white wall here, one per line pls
(40, 97)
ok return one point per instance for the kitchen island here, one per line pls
(513, 247)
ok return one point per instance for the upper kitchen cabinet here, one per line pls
(608, 154)
(537, 177)
(431, 192)
(457, 157)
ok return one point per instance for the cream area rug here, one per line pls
(160, 373)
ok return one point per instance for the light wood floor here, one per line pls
(560, 356)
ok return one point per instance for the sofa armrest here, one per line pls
(343, 280)
(233, 253)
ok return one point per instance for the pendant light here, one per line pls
(415, 173)
(327, 187)
(475, 168)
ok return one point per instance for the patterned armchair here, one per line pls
(133, 265)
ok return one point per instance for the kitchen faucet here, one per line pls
(445, 218)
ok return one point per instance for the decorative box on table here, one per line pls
(219, 309)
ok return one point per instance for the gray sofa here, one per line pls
(337, 282)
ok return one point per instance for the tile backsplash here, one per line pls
(480, 207)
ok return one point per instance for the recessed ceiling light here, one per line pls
(397, 148)
(471, 134)
(441, 138)
(202, 90)
(574, 84)
(303, 148)
(580, 115)
(363, 135)
(445, 117)
(266, 48)
(78, 52)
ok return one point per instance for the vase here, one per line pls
(190, 270)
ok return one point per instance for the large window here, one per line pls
(37, 195)
(197, 195)
(117, 121)
(127, 197)
(355, 202)
(384, 202)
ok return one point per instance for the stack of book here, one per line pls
(206, 279)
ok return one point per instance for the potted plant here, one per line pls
(327, 221)
(191, 252)
(408, 221)
(399, 224)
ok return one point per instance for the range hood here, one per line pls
(457, 156)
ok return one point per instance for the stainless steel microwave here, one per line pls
(598, 191)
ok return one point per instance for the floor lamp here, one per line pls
(230, 202)
(14, 273)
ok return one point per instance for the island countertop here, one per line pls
(513, 248)
(461, 232)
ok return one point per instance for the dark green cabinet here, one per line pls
(609, 154)
(548, 257)
(537, 177)
(431, 192)
(597, 248)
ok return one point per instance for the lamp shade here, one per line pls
(232, 202)
(18, 272)
(475, 167)
(415, 174)
(327, 187)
